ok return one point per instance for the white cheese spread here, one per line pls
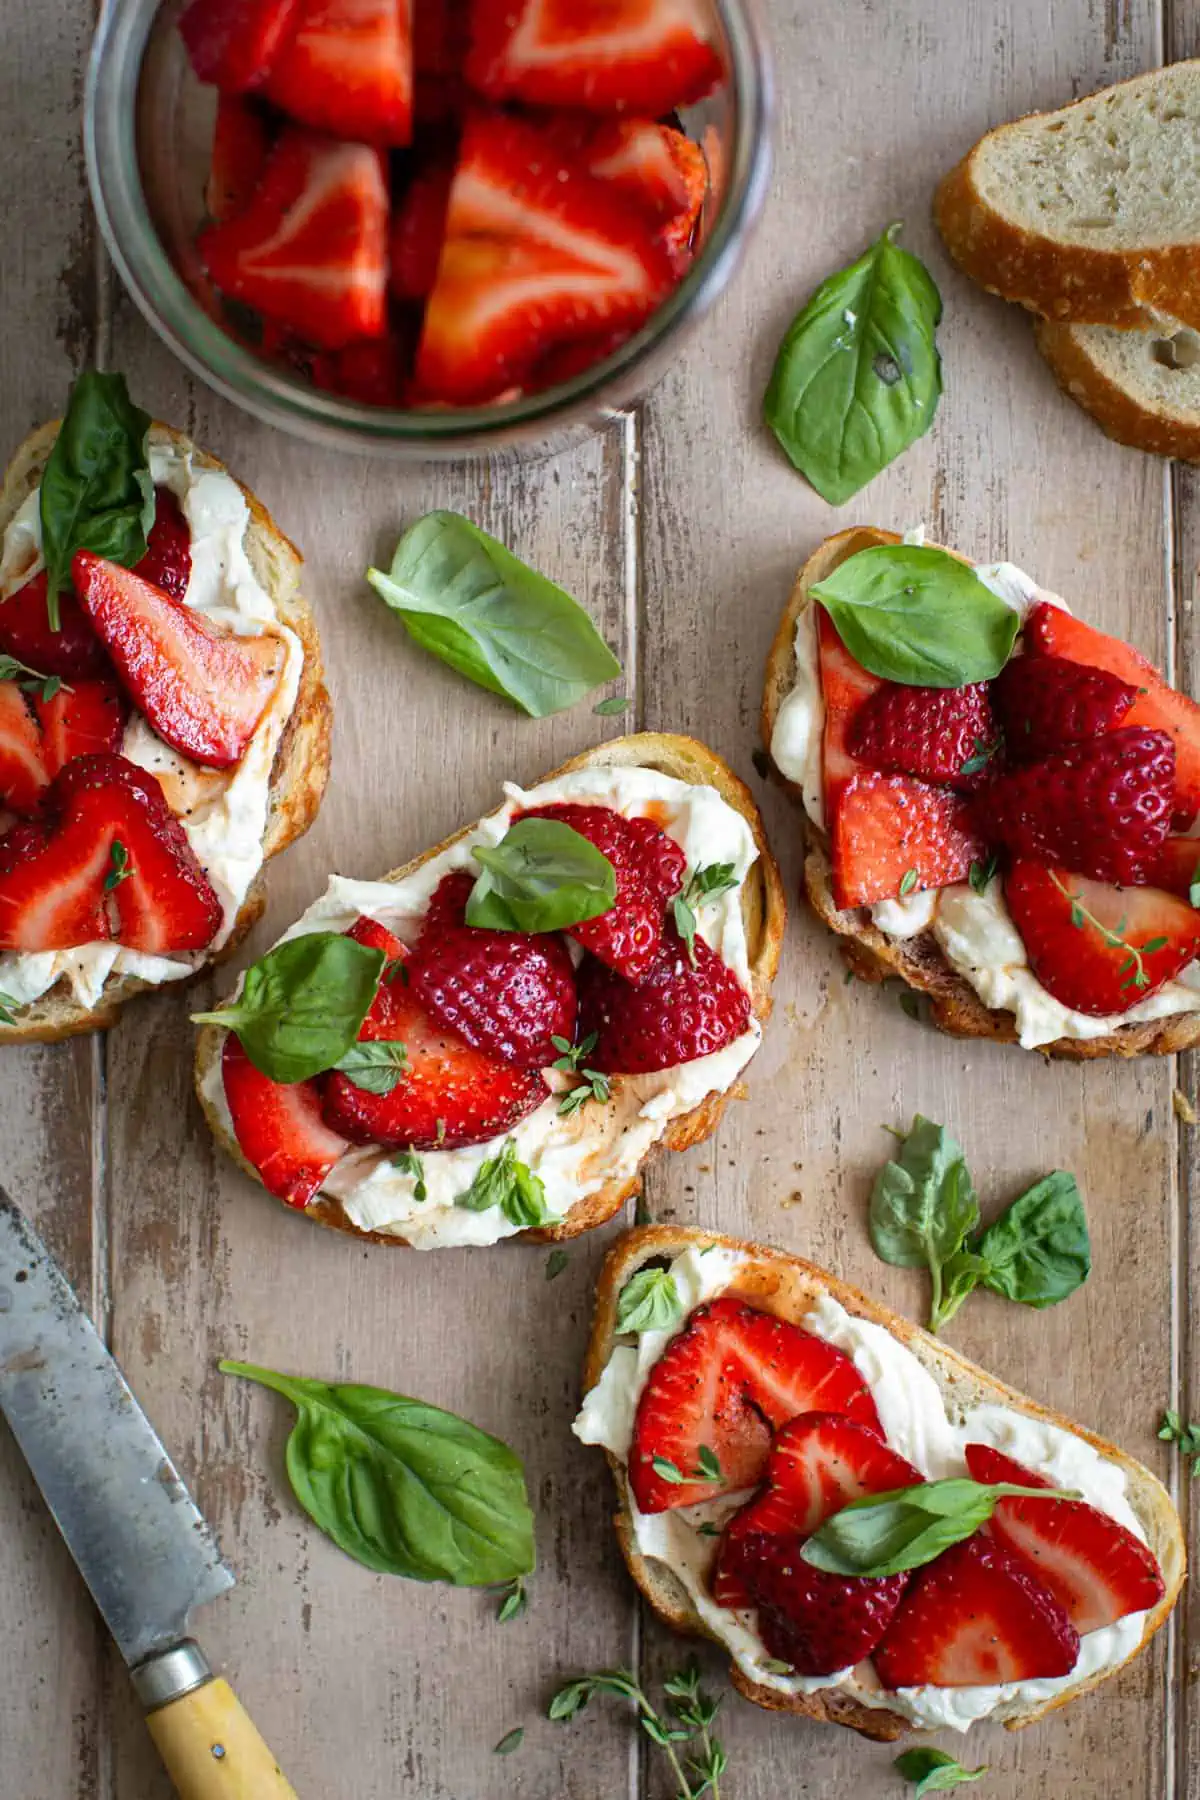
(224, 813)
(917, 1426)
(600, 1142)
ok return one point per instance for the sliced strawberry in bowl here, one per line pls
(649, 867)
(372, 372)
(722, 1386)
(234, 43)
(279, 1128)
(241, 142)
(24, 777)
(685, 1007)
(976, 1618)
(814, 1622)
(347, 68)
(1094, 1566)
(1102, 807)
(565, 361)
(660, 169)
(893, 835)
(1048, 702)
(945, 735)
(79, 720)
(418, 231)
(203, 690)
(636, 56)
(310, 251)
(504, 992)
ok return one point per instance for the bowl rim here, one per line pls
(235, 371)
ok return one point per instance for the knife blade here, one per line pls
(141, 1543)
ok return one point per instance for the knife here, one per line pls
(141, 1543)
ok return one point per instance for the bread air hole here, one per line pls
(1182, 351)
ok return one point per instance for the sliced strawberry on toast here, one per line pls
(894, 835)
(506, 993)
(235, 43)
(814, 1622)
(347, 68)
(1102, 807)
(310, 251)
(537, 251)
(1098, 948)
(945, 735)
(723, 1385)
(976, 1618)
(1176, 867)
(418, 231)
(241, 143)
(79, 720)
(168, 559)
(279, 1128)
(24, 777)
(684, 1007)
(203, 690)
(448, 1095)
(1049, 631)
(1046, 703)
(1094, 1566)
(649, 867)
(635, 56)
(845, 688)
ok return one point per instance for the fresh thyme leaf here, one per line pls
(594, 1086)
(984, 753)
(376, 1065)
(705, 884)
(708, 1530)
(616, 703)
(908, 882)
(120, 867)
(514, 1602)
(556, 1262)
(709, 1466)
(662, 1465)
(512, 1740)
(982, 874)
(1186, 1437)
(8, 1009)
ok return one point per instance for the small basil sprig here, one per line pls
(302, 1004)
(376, 1065)
(462, 595)
(858, 376)
(541, 876)
(506, 1182)
(916, 615)
(649, 1302)
(924, 1214)
(96, 491)
(905, 1528)
(934, 1771)
(705, 884)
(404, 1487)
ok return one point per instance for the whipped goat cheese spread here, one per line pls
(224, 813)
(974, 931)
(602, 1141)
(916, 1424)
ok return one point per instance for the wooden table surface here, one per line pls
(679, 527)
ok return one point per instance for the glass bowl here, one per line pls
(147, 133)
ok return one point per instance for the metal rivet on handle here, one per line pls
(218, 1751)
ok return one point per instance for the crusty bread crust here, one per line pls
(1115, 407)
(953, 1004)
(301, 767)
(787, 1286)
(1090, 284)
(764, 914)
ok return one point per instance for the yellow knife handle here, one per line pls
(211, 1746)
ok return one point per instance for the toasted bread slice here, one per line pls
(1090, 213)
(1141, 387)
(301, 767)
(764, 916)
(788, 1287)
(953, 1004)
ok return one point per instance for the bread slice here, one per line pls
(1141, 387)
(953, 1004)
(301, 766)
(764, 915)
(788, 1287)
(1090, 213)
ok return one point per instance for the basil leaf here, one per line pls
(1039, 1251)
(905, 1528)
(96, 491)
(302, 1004)
(404, 1487)
(858, 376)
(376, 1065)
(505, 1182)
(916, 615)
(541, 876)
(933, 1771)
(462, 595)
(923, 1206)
(649, 1302)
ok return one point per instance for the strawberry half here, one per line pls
(724, 1384)
(504, 992)
(940, 734)
(672, 1015)
(662, 171)
(649, 867)
(892, 834)
(241, 142)
(637, 56)
(536, 251)
(815, 1622)
(976, 1618)
(1047, 702)
(113, 862)
(1102, 807)
(23, 774)
(449, 1094)
(80, 720)
(1177, 866)
(279, 1128)
(203, 690)
(234, 43)
(347, 68)
(1099, 949)
(418, 230)
(845, 688)
(1049, 631)
(1096, 1569)
(310, 250)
